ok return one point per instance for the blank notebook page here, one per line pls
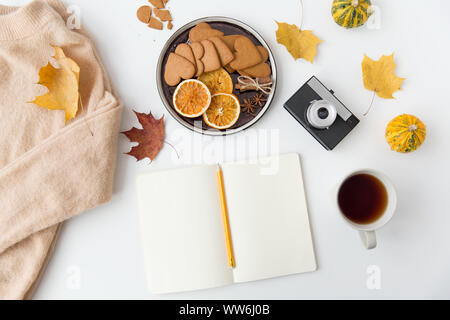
(268, 218)
(182, 230)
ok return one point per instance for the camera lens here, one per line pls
(323, 113)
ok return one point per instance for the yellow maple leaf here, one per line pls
(299, 43)
(62, 84)
(379, 76)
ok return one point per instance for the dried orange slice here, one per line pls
(223, 112)
(191, 98)
(217, 81)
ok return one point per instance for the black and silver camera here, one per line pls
(321, 113)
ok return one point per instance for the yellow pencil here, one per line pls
(226, 223)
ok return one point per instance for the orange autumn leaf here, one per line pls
(62, 84)
(150, 137)
(299, 43)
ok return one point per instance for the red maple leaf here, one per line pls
(150, 137)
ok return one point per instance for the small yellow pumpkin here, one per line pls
(351, 13)
(405, 133)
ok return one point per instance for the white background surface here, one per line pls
(103, 246)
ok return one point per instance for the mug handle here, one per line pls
(369, 239)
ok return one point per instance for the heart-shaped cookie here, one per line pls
(199, 52)
(230, 40)
(264, 53)
(200, 68)
(225, 54)
(261, 70)
(246, 54)
(211, 58)
(185, 51)
(203, 31)
(177, 68)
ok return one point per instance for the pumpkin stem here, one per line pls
(413, 127)
(355, 3)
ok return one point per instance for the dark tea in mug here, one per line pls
(363, 198)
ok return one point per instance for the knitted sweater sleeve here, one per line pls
(67, 174)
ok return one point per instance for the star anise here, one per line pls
(248, 106)
(259, 100)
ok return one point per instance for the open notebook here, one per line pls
(183, 230)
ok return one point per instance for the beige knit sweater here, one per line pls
(49, 171)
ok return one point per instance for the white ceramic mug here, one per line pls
(367, 231)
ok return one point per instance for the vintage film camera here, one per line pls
(321, 113)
